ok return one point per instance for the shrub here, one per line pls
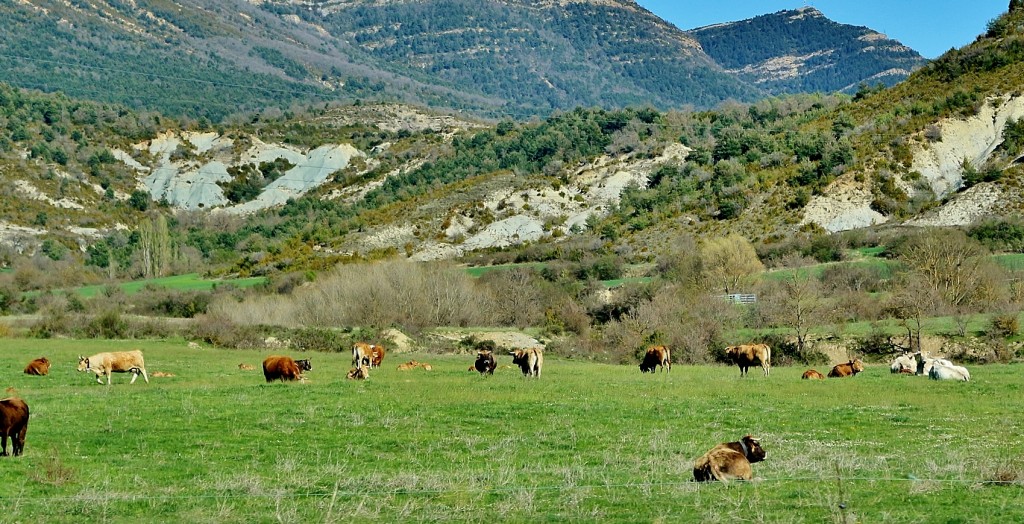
(320, 339)
(1004, 325)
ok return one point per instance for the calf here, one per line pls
(14, 424)
(485, 362)
(813, 374)
(530, 361)
(246, 367)
(358, 373)
(276, 367)
(729, 461)
(114, 362)
(846, 370)
(39, 366)
(654, 357)
(746, 355)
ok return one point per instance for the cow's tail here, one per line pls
(717, 472)
(767, 359)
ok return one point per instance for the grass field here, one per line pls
(586, 442)
(186, 282)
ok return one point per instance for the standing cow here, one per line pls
(847, 369)
(14, 424)
(729, 461)
(103, 364)
(485, 362)
(654, 357)
(747, 355)
(39, 366)
(276, 367)
(364, 354)
(530, 361)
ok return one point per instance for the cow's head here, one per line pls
(752, 449)
(83, 363)
(856, 365)
(304, 365)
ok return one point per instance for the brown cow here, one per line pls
(276, 367)
(813, 374)
(729, 461)
(656, 356)
(39, 366)
(529, 360)
(746, 355)
(14, 424)
(364, 354)
(848, 369)
(485, 362)
(358, 373)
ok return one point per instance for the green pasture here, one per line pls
(586, 443)
(1012, 261)
(186, 282)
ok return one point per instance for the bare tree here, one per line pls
(796, 303)
(955, 266)
(913, 299)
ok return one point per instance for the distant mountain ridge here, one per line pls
(801, 51)
(497, 58)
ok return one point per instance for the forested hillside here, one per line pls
(802, 51)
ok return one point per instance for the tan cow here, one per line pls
(729, 461)
(847, 369)
(246, 367)
(358, 373)
(13, 424)
(530, 361)
(39, 366)
(114, 362)
(656, 356)
(813, 374)
(364, 354)
(746, 355)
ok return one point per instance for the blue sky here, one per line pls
(929, 27)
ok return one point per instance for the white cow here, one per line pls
(904, 361)
(950, 372)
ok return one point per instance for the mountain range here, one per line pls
(495, 58)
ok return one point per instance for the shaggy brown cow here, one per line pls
(39, 366)
(276, 367)
(358, 373)
(656, 356)
(848, 369)
(729, 461)
(114, 362)
(746, 355)
(485, 362)
(813, 374)
(14, 424)
(530, 361)
(364, 354)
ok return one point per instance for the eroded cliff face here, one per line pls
(846, 204)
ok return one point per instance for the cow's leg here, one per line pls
(135, 375)
(3, 449)
(99, 377)
(766, 368)
(144, 375)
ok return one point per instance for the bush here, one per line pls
(1004, 325)
(320, 339)
(107, 325)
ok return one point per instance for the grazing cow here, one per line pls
(304, 365)
(813, 374)
(246, 367)
(656, 356)
(276, 367)
(746, 355)
(364, 354)
(846, 370)
(729, 461)
(529, 360)
(904, 361)
(942, 371)
(358, 373)
(39, 366)
(14, 424)
(485, 362)
(114, 362)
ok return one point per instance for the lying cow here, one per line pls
(246, 367)
(729, 461)
(656, 356)
(364, 354)
(14, 424)
(746, 355)
(39, 366)
(941, 371)
(925, 363)
(813, 374)
(281, 368)
(485, 362)
(847, 369)
(114, 362)
(530, 361)
(904, 361)
(358, 373)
